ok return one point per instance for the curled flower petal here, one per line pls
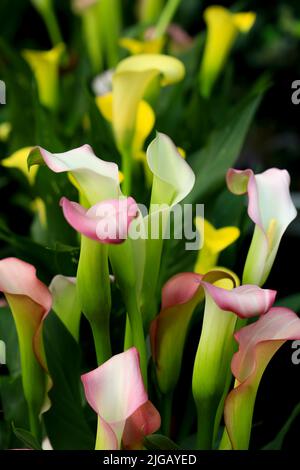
(30, 302)
(271, 208)
(144, 421)
(115, 391)
(132, 77)
(97, 179)
(107, 221)
(258, 343)
(180, 296)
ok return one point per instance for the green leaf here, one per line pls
(49, 261)
(224, 146)
(26, 438)
(65, 421)
(159, 442)
(276, 444)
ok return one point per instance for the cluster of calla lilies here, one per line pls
(241, 329)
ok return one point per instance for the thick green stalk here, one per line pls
(127, 168)
(137, 329)
(94, 293)
(92, 33)
(46, 10)
(110, 18)
(149, 10)
(166, 17)
(211, 367)
(167, 404)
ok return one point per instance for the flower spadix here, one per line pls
(271, 208)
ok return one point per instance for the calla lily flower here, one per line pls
(223, 28)
(144, 421)
(214, 242)
(150, 46)
(173, 180)
(271, 208)
(180, 296)
(45, 67)
(144, 122)
(66, 303)
(19, 160)
(30, 302)
(106, 222)
(116, 392)
(258, 343)
(130, 82)
(223, 304)
(96, 179)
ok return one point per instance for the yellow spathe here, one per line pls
(134, 46)
(130, 82)
(19, 160)
(45, 67)
(214, 242)
(144, 122)
(223, 28)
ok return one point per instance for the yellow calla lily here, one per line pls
(134, 46)
(144, 122)
(130, 82)
(214, 242)
(223, 28)
(45, 67)
(19, 160)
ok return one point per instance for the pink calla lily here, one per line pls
(97, 179)
(271, 208)
(107, 221)
(116, 391)
(258, 343)
(30, 302)
(180, 296)
(145, 421)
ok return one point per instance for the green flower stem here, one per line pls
(46, 10)
(211, 369)
(167, 405)
(127, 169)
(110, 17)
(91, 31)
(166, 17)
(137, 330)
(34, 424)
(52, 27)
(150, 10)
(94, 293)
(128, 335)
